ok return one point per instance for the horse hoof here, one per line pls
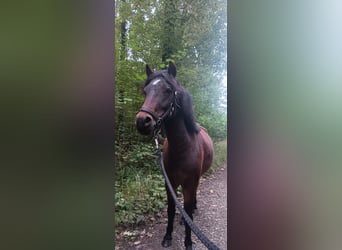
(166, 241)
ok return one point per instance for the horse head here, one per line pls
(160, 91)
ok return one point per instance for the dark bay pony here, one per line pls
(188, 149)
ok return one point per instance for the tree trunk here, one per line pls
(169, 43)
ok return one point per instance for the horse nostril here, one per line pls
(147, 121)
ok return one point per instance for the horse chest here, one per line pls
(181, 167)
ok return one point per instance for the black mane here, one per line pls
(188, 111)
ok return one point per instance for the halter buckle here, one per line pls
(156, 141)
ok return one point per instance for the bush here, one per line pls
(216, 125)
(139, 185)
(136, 199)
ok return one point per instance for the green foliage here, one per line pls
(139, 186)
(216, 125)
(145, 195)
(131, 159)
(220, 155)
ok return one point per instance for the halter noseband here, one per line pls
(169, 112)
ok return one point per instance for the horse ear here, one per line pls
(172, 69)
(148, 70)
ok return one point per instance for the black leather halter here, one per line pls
(170, 111)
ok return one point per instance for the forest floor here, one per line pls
(210, 218)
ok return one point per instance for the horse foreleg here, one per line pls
(182, 221)
(171, 210)
(189, 203)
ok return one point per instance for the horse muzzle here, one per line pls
(145, 123)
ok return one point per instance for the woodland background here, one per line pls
(192, 34)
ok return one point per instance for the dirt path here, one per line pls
(210, 217)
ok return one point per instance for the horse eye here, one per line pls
(169, 90)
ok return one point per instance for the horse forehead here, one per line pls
(155, 81)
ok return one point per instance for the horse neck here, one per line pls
(177, 134)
